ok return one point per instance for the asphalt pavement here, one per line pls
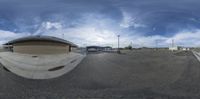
(133, 74)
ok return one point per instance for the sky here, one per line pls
(140, 23)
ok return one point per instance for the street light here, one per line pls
(118, 44)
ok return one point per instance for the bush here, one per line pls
(128, 47)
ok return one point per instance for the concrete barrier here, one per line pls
(196, 54)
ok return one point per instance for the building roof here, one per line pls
(98, 47)
(107, 47)
(40, 38)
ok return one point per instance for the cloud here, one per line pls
(129, 21)
(98, 22)
(7, 35)
(47, 26)
(188, 38)
(27, 16)
(160, 17)
(183, 38)
(94, 36)
(85, 36)
(155, 17)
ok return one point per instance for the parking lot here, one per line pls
(132, 74)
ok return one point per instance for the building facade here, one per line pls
(40, 57)
(40, 45)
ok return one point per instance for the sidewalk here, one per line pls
(40, 66)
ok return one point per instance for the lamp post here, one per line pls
(118, 44)
(172, 42)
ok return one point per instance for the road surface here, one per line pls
(132, 74)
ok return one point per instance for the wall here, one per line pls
(40, 47)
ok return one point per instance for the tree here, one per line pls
(129, 47)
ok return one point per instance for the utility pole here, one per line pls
(118, 44)
(172, 42)
(131, 44)
(173, 45)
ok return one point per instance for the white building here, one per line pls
(175, 48)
